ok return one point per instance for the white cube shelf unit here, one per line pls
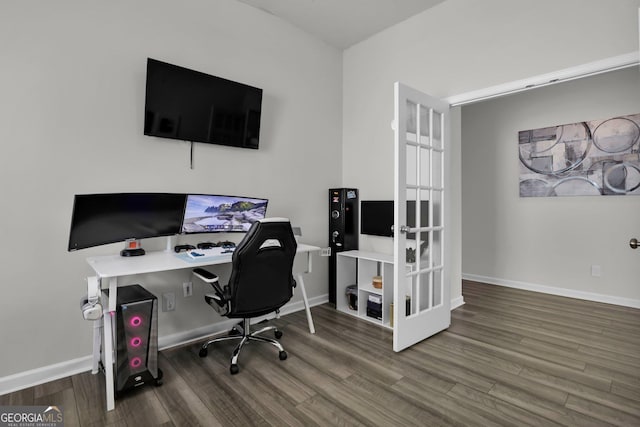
(359, 268)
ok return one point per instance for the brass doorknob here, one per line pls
(633, 243)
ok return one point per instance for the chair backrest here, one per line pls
(261, 278)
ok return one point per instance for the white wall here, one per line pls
(71, 118)
(547, 243)
(460, 46)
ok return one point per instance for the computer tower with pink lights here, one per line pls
(136, 358)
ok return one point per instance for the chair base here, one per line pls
(243, 333)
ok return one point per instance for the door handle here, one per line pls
(406, 229)
(633, 243)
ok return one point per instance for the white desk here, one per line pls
(111, 267)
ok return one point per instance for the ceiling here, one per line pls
(343, 23)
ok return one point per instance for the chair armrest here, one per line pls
(205, 275)
(212, 279)
(220, 298)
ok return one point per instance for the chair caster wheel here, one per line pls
(203, 352)
(234, 369)
(278, 334)
(234, 332)
(282, 355)
(158, 381)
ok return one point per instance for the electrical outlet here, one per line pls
(168, 301)
(187, 288)
(325, 251)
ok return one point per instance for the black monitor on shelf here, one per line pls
(376, 217)
(100, 219)
(209, 213)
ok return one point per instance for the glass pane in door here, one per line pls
(412, 119)
(437, 162)
(437, 287)
(435, 208)
(425, 301)
(425, 165)
(435, 250)
(411, 165)
(436, 142)
(424, 124)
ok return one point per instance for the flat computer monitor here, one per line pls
(208, 213)
(376, 217)
(100, 219)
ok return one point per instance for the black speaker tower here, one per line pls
(343, 228)
(136, 358)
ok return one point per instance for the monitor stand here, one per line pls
(169, 247)
(132, 247)
(132, 252)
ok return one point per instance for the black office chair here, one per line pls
(261, 282)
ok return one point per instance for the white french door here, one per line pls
(421, 275)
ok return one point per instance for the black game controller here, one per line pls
(226, 244)
(182, 248)
(206, 245)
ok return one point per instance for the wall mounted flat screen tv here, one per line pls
(192, 106)
(207, 213)
(376, 217)
(100, 219)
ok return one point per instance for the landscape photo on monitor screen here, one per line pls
(206, 213)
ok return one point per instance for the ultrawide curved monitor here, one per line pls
(100, 219)
(206, 213)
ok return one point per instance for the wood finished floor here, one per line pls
(510, 357)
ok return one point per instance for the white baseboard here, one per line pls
(457, 302)
(563, 292)
(44, 374)
(48, 373)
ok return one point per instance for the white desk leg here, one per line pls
(107, 346)
(97, 338)
(312, 328)
(97, 335)
(113, 293)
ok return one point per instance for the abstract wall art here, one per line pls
(598, 157)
